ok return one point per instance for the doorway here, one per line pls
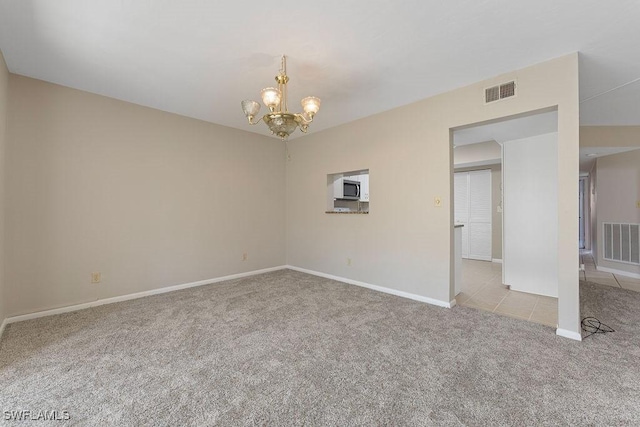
(518, 157)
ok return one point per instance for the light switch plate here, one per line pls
(437, 202)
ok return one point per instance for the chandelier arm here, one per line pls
(251, 122)
(304, 119)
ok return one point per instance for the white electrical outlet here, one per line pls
(245, 256)
(96, 277)
(349, 261)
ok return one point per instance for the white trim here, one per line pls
(5, 322)
(496, 260)
(391, 291)
(569, 334)
(618, 272)
(136, 295)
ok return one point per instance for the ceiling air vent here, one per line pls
(496, 93)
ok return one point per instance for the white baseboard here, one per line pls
(395, 292)
(497, 260)
(136, 295)
(4, 325)
(618, 272)
(569, 334)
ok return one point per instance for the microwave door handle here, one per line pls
(358, 191)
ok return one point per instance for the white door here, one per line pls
(480, 215)
(472, 208)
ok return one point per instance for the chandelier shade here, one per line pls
(271, 97)
(280, 121)
(250, 108)
(310, 105)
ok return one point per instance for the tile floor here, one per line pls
(482, 288)
(590, 274)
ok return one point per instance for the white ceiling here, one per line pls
(201, 58)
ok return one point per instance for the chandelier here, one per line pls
(280, 121)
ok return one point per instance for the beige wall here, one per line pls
(618, 192)
(147, 198)
(496, 206)
(609, 136)
(4, 82)
(405, 243)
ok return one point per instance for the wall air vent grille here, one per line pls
(622, 242)
(502, 91)
(492, 94)
(507, 90)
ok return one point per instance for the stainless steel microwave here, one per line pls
(346, 189)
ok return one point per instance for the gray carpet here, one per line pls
(286, 348)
